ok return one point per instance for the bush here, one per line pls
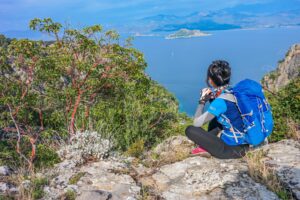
(286, 111)
(76, 177)
(38, 187)
(69, 195)
(136, 149)
(82, 80)
(45, 157)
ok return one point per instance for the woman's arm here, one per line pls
(201, 118)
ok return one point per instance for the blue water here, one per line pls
(180, 65)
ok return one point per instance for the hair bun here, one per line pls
(219, 71)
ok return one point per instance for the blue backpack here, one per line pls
(255, 111)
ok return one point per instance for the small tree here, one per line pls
(88, 63)
(20, 96)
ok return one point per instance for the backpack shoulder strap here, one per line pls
(228, 97)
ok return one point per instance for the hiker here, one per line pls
(226, 137)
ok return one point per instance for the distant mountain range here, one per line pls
(262, 14)
(273, 13)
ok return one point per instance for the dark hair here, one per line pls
(219, 72)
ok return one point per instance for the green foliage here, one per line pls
(136, 149)
(4, 197)
(76, 177)
(45, 157)
(69, 195)
(273, 75)
(4, 42)
(285, 107)
(38, 187)
(83, 80)
(8, 154)
(144, 111)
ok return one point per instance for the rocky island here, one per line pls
(186, 33)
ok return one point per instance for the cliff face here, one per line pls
(288, 69)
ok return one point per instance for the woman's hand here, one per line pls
(206, 95)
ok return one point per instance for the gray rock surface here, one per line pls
(204, 178)
(4, 171)
(287, 70)
(173, 149)
(182, 177)
(284, 158)
(8, 189)
(102, 180)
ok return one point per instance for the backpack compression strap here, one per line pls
(228, 97)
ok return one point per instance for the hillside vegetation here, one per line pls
(83, 80)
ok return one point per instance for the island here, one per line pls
(186, 33)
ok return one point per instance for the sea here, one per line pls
(180, 65)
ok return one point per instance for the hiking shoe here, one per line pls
(198, 150)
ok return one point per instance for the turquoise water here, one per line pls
(180, 65)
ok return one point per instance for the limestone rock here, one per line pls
(4, 171)
(8, 189)
(287, 70)
(106, 179)
(203, 178)
(95, 195)
(284, 158)
(173, 149)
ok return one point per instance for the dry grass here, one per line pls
(29, 191)
(294, 129)
(264, 174)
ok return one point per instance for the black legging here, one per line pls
(209, 141)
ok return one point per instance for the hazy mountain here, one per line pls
(205, 25)
(272, 13)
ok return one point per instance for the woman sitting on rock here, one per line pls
(219, 112)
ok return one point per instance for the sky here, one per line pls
(119, 14)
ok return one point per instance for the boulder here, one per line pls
(204, 178)
(106, 179)
(284, 158)
(171, 150)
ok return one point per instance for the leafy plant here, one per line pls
(76, 177)
(285, 108)
(82, 80)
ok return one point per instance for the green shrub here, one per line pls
(83, 80)
(69, 195)
(76, 177)
(8, 154)
(38, 187)
(140, 112)
(45, 157)
(285, 108)
(136, 149)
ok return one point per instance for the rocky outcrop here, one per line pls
(287, 70)
(189, 178)
(98, 180)
(182, 177)
(204, 178)
(6, 187)
(284, 158)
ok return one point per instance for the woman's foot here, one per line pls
(198, 150)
